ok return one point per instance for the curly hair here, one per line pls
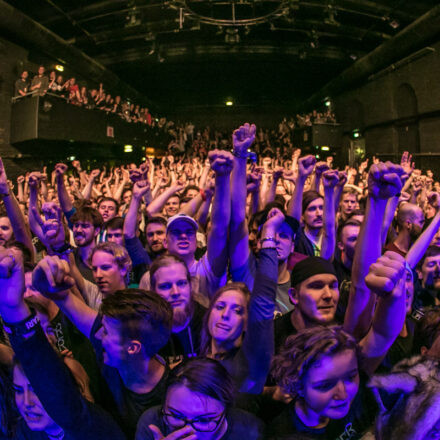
(302, 350)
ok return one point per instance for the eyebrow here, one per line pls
(200, 415)
(330, 379)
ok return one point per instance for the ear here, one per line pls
(123, 271)
(134, 347)
(165, 243)
(293, 295)
(340, 246)
(292, 246)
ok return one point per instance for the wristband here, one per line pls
(202, 193)
(249, 154)
(23, 327)
(65, 248)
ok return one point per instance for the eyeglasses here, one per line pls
(201, 424)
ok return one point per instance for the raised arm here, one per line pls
(52, 278)
(258, 343)
(242, 138)
(87, 190)
(130, 222)
(417, 250)
(305, 168)
(330, 179)
(63, 196)
(222, 163)
(16, 217)
(155, 207)
(386, 280)
(384, 181)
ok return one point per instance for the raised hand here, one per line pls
(434, 199)
(4, 185)
(290, 175)
(277, 173)
(330, 179)
(406, 163)
(11, 278)
(306, 165)
(320, 167)
(222, 162)
(273, 222)
(60, 169)
(52, 227)
(386, 275)
(140, 188)
(94, 174)
(20, 179)
(76, 164)
(185, 433)
(51, 276)
(384, 180)
(253, 181)
(243, 138)
(342, 178)
(34, 179)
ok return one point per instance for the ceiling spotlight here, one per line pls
(229, 103)
(59, 67)
(394, 23)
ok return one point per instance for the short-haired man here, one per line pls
(22, 84)
(87, 223)
(348, 203)
(128, 332)
(114, 231)
(428, 270)
(108, 208)
(410, 220)
(315, 295)
(40, 82)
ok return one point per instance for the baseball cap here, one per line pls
(182, 217)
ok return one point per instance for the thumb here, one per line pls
(157, 435)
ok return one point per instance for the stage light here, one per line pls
(59, 67)
(328, 103)
(229, 103)
(128, 148)
(325, 148)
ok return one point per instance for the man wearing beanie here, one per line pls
(314, 294)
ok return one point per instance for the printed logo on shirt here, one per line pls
(349, 433)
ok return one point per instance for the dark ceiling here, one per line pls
(182, 52)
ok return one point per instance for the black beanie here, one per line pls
(308, 267)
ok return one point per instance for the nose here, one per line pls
(28, 398)
(225, 314)
(326, 293)
(98, 273)
(175, 290)
(340, 391)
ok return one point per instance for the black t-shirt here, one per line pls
(358, 420)
(283, 328)
(186, 343)
(85, 270)
(127, 406)
(68, 337)
(241, 425)
(344, 281)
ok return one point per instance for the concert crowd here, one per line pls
(218, 294)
